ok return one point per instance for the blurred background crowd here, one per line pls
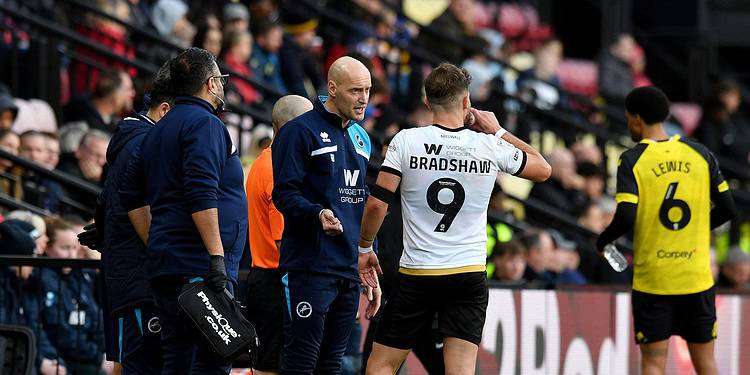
(71, 69)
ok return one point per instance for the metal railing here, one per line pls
(166, 43)
(71, 36)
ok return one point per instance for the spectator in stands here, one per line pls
(236, 18)
(720, 129)
(593, 266)
(87, 162)
(564, 190)
(593, 180)
(299, 67)
(482, 71)
(112, 96)
(269, 37)
(139, 15)
(453, 33)
(238, 45)
(19, 294)
(264, 10)
(615, 72)
(89, 157)
(208, 38)
(39, 232)
(69, 309)
(565, 261)
(540, 84)
(541, 249)
(9, 142)
(735, 272)
(84, 252)
(8, 111)
(109, 34)
(52, 148)
(37, 190)
(638, 65)
(509, 259)
(169, 17)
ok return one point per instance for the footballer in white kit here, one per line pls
(446, 173)
(447, 176)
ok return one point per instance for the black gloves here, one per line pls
(217, 274)
(90, 237)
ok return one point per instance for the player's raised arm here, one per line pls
(532, 164)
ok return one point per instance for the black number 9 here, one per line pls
(667, 204)
(449, 210)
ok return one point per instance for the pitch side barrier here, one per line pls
(571, 329)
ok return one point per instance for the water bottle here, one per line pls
(615, 258)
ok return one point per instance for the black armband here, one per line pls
(383, 194)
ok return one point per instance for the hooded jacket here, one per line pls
(123, 252)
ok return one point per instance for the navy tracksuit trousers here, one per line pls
(320, 312)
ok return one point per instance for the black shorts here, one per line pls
(137, 339)
(658, 317)
(460, 302)
(265, 303)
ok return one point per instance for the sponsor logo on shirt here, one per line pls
(675, 254)
(324, 137)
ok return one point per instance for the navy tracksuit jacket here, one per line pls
(123, 252)
(128, 302)
(319, 164)
(187, 163)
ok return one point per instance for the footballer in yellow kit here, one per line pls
(665, 190)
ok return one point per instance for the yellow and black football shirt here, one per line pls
(671, 182)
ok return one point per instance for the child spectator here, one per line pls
(509, 259)
(237, 49)
(70, 315)
(19, 295)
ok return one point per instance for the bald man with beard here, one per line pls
(319, 164)
(264, 289)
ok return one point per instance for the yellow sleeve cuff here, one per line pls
(723, 186)
(626, 197)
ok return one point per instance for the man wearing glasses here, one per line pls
(185, 197)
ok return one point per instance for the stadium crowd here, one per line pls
(519, 72)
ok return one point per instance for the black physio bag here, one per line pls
(219, 318)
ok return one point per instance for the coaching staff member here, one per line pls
(319, 164)
(132, 328)
(197, 205)
(264, 290)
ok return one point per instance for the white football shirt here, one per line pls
(447, 177)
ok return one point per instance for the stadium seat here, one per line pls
(17, 350)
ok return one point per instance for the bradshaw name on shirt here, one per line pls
(451, 158)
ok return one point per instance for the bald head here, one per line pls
(287, 108)
(345, 68)
(349, 86)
